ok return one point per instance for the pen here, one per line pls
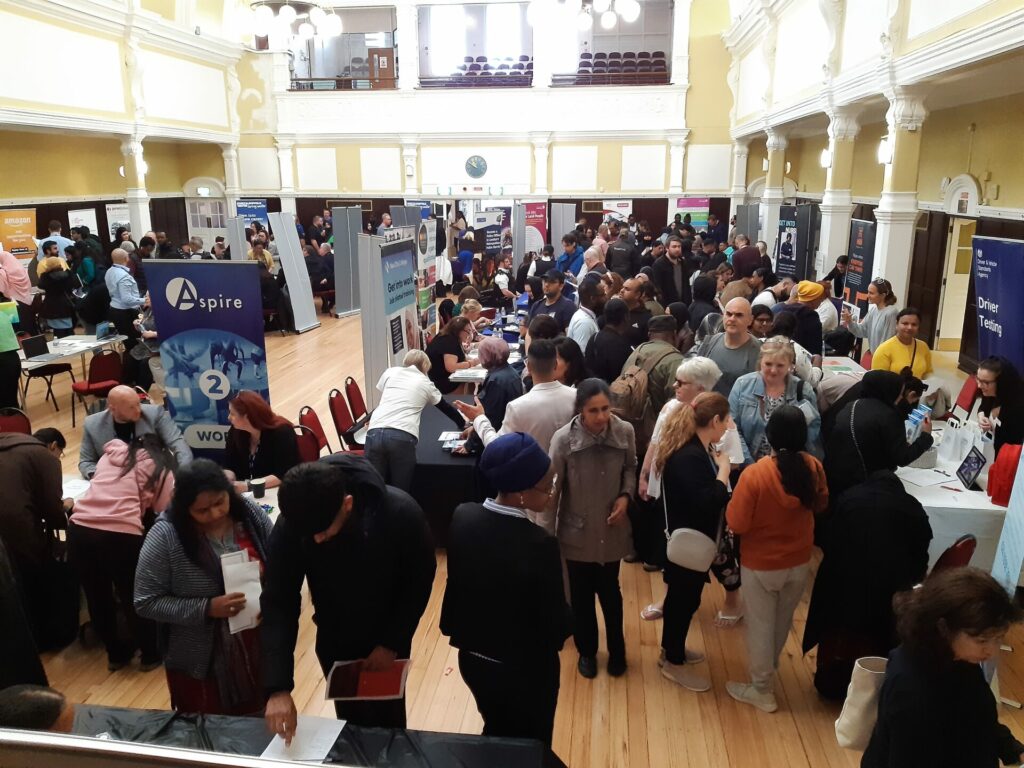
(948, 488)
(946, 474)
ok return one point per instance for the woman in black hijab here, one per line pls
(869, 433)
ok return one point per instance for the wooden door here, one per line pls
(926, 269)
(382, 67)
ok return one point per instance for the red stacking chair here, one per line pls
(15, 420)
(958, 555)
(309, 448)
(865, 361)
(106, 371)
(355, 398)
(965, 400)
(308, 418)
(344, 424)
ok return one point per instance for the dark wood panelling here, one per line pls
(46, 212)
(168, 214)
(927, 265)
(864, 211)
(308, 207)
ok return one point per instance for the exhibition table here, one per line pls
(355, 746)
(442, 480)
(70, 346)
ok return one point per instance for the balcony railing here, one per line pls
(481, 79)
(342, 84)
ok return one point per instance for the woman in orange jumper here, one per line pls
(772, 510)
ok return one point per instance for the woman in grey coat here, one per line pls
(179, 584)
(594, 457)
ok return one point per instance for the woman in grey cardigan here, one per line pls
(880, 323)
(179, 584)
(594, 457)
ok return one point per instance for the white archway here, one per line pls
(206, 209)
(755, 190)
(961, 196)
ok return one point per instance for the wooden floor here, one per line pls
(634, 721)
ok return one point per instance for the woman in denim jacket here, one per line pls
(755, 396)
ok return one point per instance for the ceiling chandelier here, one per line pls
(583, 13)
(312, 18)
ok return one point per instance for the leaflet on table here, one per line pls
(926, 477)
(445, 437)
(348, 681)
(242, 575)
(451, 445)
(313, 740)
(74, 488)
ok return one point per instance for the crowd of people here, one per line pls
(670, 412)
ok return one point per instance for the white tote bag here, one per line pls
(860, 711)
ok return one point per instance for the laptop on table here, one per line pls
(37, 350)
(104, 331)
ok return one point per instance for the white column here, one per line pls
(232, 183)
(738, 190)
(135, 194)
(286, 165)
(773, 196)
(676, 162)
(546, 40)
(408, 47)
(897, 207)
(410, 154)
(540, 166)
(681, 42)
(837, 202)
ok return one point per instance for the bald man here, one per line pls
(125, 300)
(125, 419)
(735, 349)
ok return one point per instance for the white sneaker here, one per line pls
(692, 657)
(686, 676)
(748, 694)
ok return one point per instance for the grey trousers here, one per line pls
(770, 599)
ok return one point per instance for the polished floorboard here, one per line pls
(637, 720)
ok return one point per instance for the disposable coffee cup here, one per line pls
(258, 488)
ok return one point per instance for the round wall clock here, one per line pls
(476, 167)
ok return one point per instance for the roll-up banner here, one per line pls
(252, 210)
(210, 318)
(861, 265)
(616, 210)
(787, 244)
(117, 216)
(84, 217)
(536, 215)
(487, 225)
(17, 233)
(426, 277)
(697, 208)
(998, 276)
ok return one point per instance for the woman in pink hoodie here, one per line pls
(132, 482)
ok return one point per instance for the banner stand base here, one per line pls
(348, 313)
(308, 328)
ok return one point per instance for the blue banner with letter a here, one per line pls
(210, 320)
(998, 276)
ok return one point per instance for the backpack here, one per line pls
(630, 400)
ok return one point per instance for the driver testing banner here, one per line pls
(398, 263)
(998, 276)
(210, 318)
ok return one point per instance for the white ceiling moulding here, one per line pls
(474, 137)
(99, 15)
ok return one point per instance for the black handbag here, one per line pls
(57, 626)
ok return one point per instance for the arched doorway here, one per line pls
(206, 209)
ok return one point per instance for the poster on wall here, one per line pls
(998, 276)
(426, 278)
(536, 215)
(252, 210)
(861, 265)
(616, 210)
(505, 226)
(211, 321)
(424, 206)
(117, 216)
(786, 244)
(398, 262)
(697, 208)
(84, 217)
(17, 233)
(487, 225)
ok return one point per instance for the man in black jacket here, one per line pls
(621, 257)
(368, 556)
(672, 271)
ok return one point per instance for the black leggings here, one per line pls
(681, 602)
(601, 580)
(10, 378)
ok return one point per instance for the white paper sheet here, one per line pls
(244, 578)
(75, 488)
(313, 739)
(926, 477)
(444, 437)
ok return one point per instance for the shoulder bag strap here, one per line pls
(853, 435)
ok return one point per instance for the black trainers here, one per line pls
(632, 557)
(587, 666)
(113, 666)
(616, 667)
(148, 665)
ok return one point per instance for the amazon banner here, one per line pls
(211, 329)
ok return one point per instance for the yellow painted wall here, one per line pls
(257, 140)
(209, 15)
(164, 174)
(163, 8)
(609, 166)
(709, 100)
(806, 159)
(868, 173)
(997, 149)
(46, 165)
(756, 153)
(200, 160)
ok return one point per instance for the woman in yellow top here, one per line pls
(904, 350)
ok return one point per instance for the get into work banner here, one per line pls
(861, 265)
(998, 276)
(210, 319)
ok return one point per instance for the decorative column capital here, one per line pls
(842, 123)
(741, 147)
(678, 138)
(284, 145)
(777, 140)
(906, 108)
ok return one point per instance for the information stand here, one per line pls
(348, 224)
(294, 265)
(563, 221)
(237, 243)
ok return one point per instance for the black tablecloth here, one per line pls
(442, 481)
(356, 746)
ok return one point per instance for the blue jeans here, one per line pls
(393, 454)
